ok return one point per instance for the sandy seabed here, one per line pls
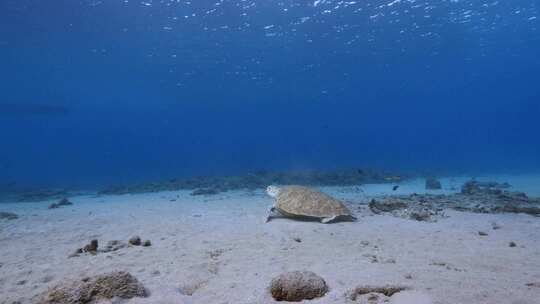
(219, 249)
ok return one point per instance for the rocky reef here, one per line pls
(433, 184)
(61, 203)
(479, 197)
(8, 216)
(260, 180)
(211, 185)
(33, 195)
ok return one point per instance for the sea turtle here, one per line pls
(304, 202)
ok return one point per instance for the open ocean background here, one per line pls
(97, 92)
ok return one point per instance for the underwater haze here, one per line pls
(111, 91)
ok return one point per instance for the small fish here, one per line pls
(395, 188)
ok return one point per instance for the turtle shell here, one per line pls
(298, 201)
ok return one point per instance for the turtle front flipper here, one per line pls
(270, 214)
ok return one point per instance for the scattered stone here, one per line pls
(8, 216)
(118, 284)
(372, 258)
(533, 284)
(64, 202)
(470, 188)
(420, 215)
(408, 276)
(114, 245)
(91, 247)
(46, 279)
(447, 266)
(61, 203)
(214, 254)
(76, 253)
(512, 244)
(373, 297)
(495, 226)
(389, 205)
(297, 239)
(372, 291)
(482, 233)
(296, 286)
(188, 289)
(433, 184)
(135, 241)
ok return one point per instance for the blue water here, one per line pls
(97, 92)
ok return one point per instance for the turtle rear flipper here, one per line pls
(326, 220)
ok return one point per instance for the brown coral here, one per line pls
(296, 286)
(89, 290)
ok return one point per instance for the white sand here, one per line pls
(219, 247)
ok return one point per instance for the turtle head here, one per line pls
(273, 191)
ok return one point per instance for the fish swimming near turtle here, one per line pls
(306, 203)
